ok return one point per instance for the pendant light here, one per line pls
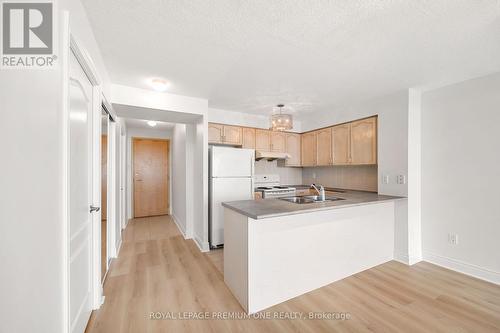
(281, 121)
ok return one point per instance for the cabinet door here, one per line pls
(364, 141)
(262, 140)
(292, 145)
(340, 144)
(248, 138)
(324, 139)
(232, 135)
(215, 133)
(278, 142)
(309, 149)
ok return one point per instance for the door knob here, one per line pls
(94, 208)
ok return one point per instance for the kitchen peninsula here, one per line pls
(275, 250)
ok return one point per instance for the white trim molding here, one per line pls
(85, 61)
(401, 257)
(463, 267)
(203, 246)
(176, 221)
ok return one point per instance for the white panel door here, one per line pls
(226, 189)
(80, 172)
(232, 162)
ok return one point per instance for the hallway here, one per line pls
(159, 271)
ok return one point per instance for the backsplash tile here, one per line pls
(288, 175)
(358, 177)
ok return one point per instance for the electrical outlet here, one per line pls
(453, 239)
(401, 179)
(314, 175)
(385, 179)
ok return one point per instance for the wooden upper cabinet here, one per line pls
(248, 138)
(340, 144)
(232, 135)
(278, 140)
(262, 140)
(308, 149)
(324, 146)
(215, 133)
(218, 133)
(292, 145)
(353, 143)
(364, 141)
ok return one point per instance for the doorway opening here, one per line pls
(104, 193)
(150, 176)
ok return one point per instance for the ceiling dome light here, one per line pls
(159, 85)
(281, 121)
(151, 123)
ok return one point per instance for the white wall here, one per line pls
(82, 31)
(460, 176)
(244, 119)
(200, 188)
(392, 111)
(288, 175)
(189, 151)
(189, 181)
(31, 221)
(179, 176)
(134, 132)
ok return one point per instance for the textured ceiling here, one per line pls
(311, 55)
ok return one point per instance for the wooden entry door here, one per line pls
(150, 177)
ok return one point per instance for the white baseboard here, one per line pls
(463, 267)
(401, 257)
(176, 221)
(118, 248)
(203, 246)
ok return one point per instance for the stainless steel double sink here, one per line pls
(306, 199)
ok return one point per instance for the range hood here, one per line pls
(270, 155)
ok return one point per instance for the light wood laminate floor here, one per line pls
(159, 271)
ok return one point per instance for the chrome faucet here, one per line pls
(321, 191)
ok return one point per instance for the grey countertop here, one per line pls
(266, 208)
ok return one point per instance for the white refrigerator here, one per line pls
(231, 178)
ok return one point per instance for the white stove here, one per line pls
(269, 186)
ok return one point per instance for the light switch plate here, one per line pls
(385, 179)
(401, 179)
